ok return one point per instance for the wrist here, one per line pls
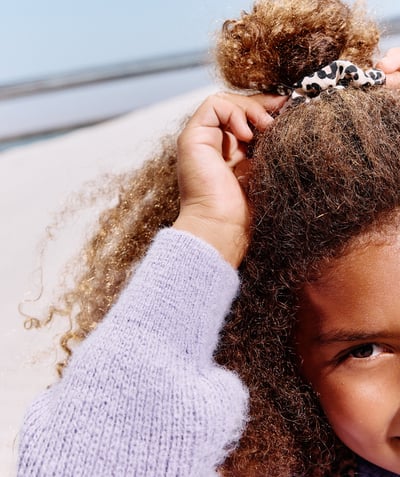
(230, 240)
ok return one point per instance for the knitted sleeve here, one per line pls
(142, 395)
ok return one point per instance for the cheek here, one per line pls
(356, 409)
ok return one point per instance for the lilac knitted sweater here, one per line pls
(142, 395)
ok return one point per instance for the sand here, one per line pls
(36, 182)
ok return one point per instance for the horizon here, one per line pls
(50, 38)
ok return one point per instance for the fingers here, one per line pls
(393, 80)
(390, 65)
(391, 61)
(241, 172)
(233, 112)
(233, 151)
(270, 103)
(220, 127)
(219, 112)
(257, 108)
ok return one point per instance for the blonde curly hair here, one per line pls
(280, 42)
(323, 174)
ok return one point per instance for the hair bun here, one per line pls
(281, 41)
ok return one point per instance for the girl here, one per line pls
(303, 377)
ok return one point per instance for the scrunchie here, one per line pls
(337, 75)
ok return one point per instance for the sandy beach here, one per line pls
(37, 182)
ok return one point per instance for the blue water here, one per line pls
(43, 37)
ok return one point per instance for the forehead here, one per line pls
(359, 289)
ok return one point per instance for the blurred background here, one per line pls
(65, 65)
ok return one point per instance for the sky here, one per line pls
(44, 37)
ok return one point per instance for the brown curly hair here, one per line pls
(323, 174)
(279, 42)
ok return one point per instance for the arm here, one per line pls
(142, 395)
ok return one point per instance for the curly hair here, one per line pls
(322, 175)
(280, 42)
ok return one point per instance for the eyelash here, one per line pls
(349, 354)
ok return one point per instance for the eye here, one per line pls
(368, 350)
(363, 352)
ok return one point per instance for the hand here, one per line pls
(390, 65)
(212, 162)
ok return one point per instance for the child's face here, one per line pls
(349, 341)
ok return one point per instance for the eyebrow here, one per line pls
(349, 336)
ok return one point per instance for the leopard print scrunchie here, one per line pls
(337, 75)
